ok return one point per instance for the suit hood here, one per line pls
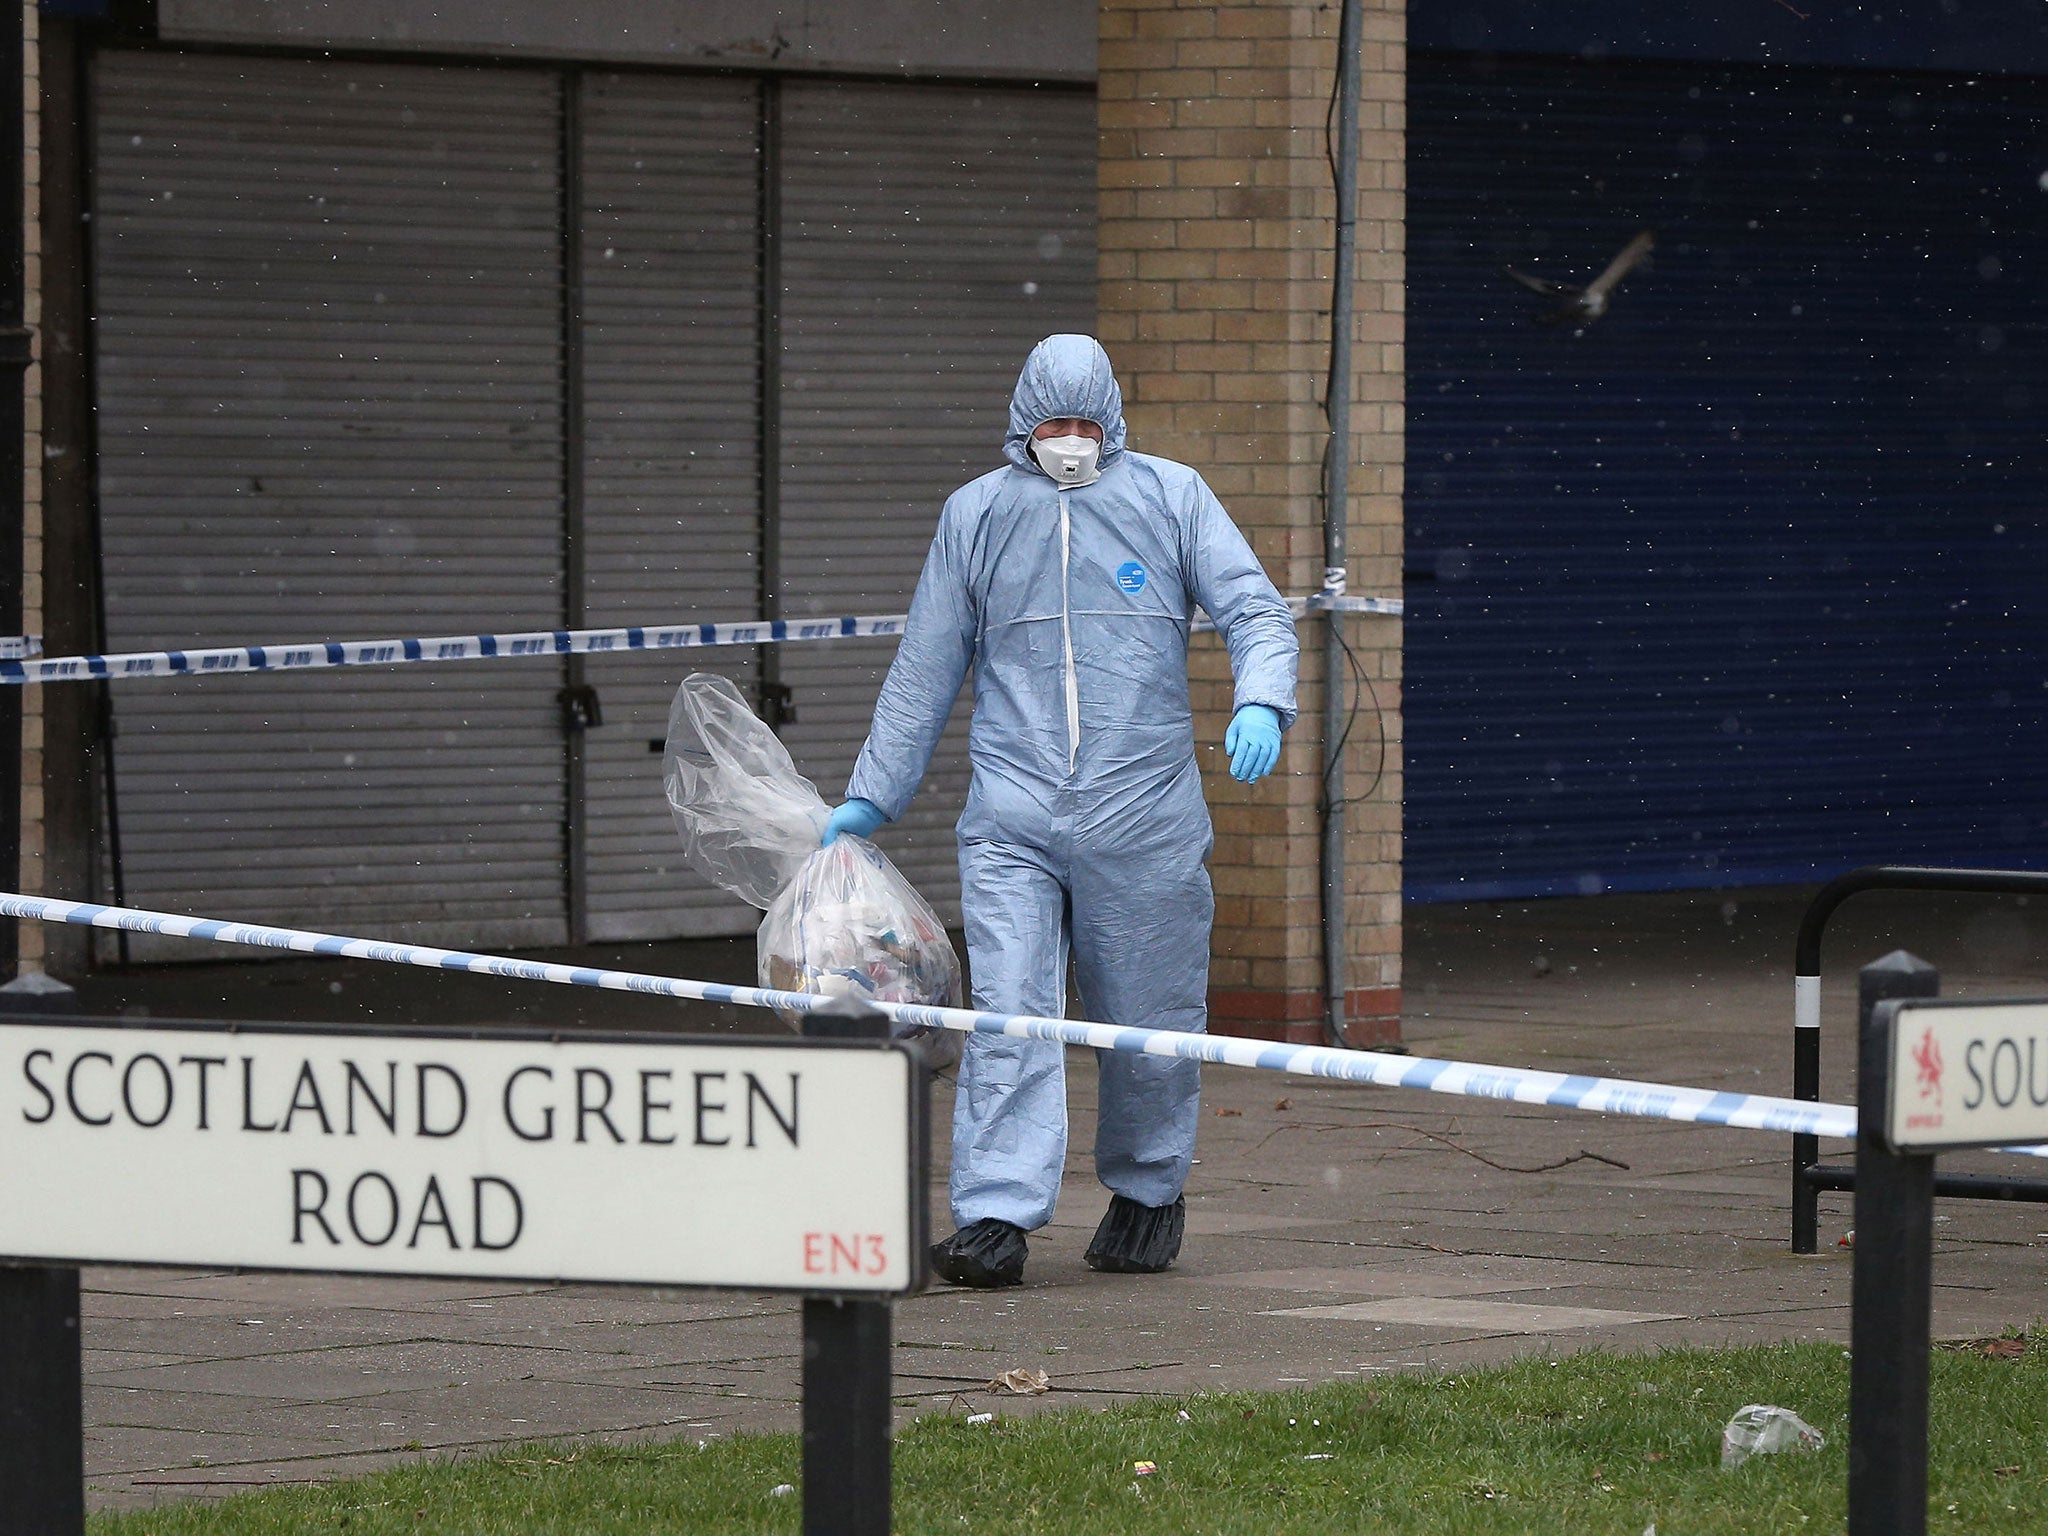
(1065, 376)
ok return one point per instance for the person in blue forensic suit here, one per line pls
(1067, 580)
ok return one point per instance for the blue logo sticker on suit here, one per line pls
(1131, 576)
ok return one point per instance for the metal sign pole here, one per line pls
(42, 1373)
(1892, 1292)
(846, 1372)
(42, 1412)
(846, 1417)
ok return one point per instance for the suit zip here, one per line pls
(1067, 638)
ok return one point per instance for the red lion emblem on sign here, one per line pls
(1927, 1065)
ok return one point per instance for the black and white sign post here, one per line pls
(846, 1372)
(1935, 1077)
(661, 1160)
(42, 1413)
(1891, 1288)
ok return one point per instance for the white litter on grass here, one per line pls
(782, 1490)
(981, 1418)
(1761, 1429)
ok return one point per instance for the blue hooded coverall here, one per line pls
(1084, 830)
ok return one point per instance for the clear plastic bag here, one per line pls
(850, 925)
(747, 818)
(1760, 1429)
(841, 921)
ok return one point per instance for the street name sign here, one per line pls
(1965, 1074)
(648, 1159)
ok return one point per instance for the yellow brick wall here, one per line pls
(31, 871)
(1217, 220)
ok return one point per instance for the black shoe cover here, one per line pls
(988, 1253)
(1137, 1239)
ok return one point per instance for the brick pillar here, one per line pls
(1217, 231)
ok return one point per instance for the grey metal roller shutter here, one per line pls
(669, 180)
(931, 235)
(328, 325)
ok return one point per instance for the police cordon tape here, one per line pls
(314, 654)
(1601, 1095)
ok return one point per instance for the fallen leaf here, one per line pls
(1021, 1382)
(1248, 1413)
(1284, 1104)
(2004, 1348)
(1229, 1112)
(1654, 1456)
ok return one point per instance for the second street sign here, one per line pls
(1966, 1074)
(648, 1159)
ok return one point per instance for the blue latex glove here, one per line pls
(1253, 742)
(861, 818)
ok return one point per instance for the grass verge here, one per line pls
(1589, 1443)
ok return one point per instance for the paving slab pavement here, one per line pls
(1335, 1231)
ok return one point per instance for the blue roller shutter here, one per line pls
(1741, 583)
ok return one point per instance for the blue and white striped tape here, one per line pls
(382, 653)
(1324, 601)
(1602, 1095)
(537, 642)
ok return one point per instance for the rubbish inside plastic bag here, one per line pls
(747, 818)
(841, 921)
(1760, 1429)
(850, 925)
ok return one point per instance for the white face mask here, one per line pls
(1069, 460)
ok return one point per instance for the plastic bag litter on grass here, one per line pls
(841, 921)
(1761, 1429)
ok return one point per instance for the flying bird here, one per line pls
(1584, 305)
